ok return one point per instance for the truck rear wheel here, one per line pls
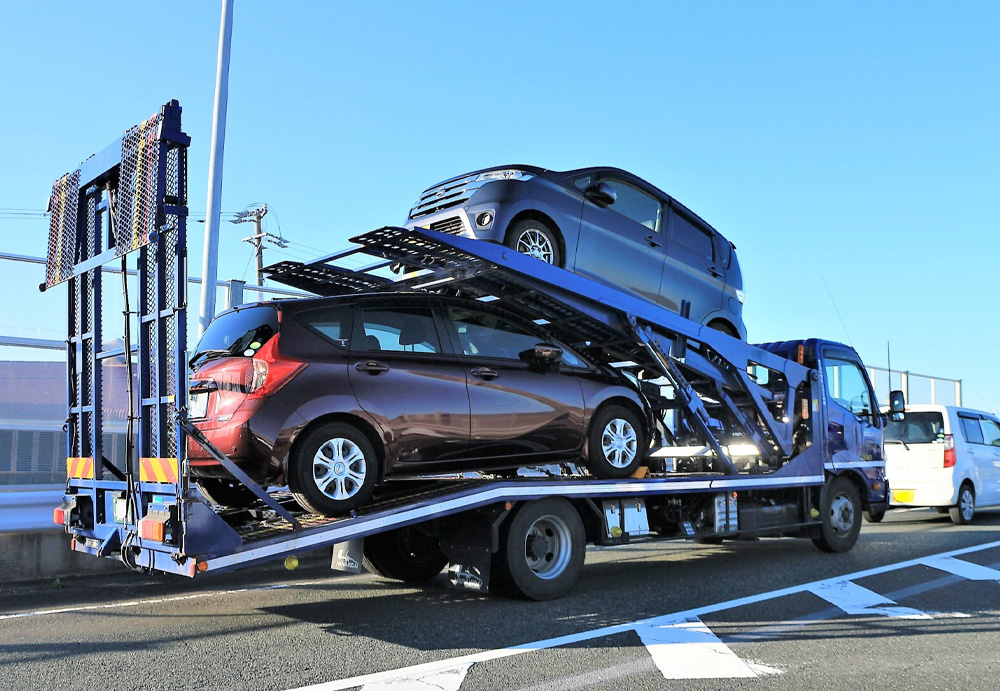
(406, 554)
(840, 510)
(541, 550)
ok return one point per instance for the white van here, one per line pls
(944, 457)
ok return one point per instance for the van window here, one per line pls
(917, 428)
(690, 236)
(971, 430)
(991, 432)
(637, 205)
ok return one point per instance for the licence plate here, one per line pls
(903, 496)
(198, 405)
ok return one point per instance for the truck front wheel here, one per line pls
(840, 510)
(541, 550)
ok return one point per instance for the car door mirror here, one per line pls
(897, 406)
(542, 354)
(601, 193)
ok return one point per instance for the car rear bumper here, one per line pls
(922, 494)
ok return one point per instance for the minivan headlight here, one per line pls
(505, 174)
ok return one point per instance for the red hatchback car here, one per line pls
(335, 395)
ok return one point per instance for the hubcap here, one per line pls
(619, 443)
(967, 504)
(547, 547)
(339, 468)
(535, 243)
(841, 514)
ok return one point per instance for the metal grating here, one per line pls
(137, 195)
(63, 203)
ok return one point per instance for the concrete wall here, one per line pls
(43, 556)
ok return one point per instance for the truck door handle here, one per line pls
(484, 373)
(651, 241)
(372, 367)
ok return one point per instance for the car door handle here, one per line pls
(715, 272)
(651, 241)
(484, 373)
(372, 367)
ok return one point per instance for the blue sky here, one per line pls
(851, 150)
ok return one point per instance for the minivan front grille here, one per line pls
(446, 195)
(451, 225)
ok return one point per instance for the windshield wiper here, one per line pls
(207, 354)
(898, 441)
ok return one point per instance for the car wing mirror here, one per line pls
(542, 354)
(897, 406)
(601, 193)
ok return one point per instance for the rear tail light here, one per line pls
(252, 379)
(949, 450)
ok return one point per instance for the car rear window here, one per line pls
(240, 332)
(917, 428)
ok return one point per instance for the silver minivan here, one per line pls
(945, 457)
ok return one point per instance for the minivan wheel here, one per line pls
(333, 470)
(964, 511)
(535, 239)
(616, 443)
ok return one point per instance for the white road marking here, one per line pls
(689, 650)
(965, 569)
(486, 655)
(443, 680)
(854, 599)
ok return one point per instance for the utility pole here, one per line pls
(210, 262)
(258, 237)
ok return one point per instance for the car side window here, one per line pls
(399, 330)
(332, 323)
(847, 386)
(991, 432)
(636, 204)
(971, 430)
(487, 335)
(582, 182)
(690, 236)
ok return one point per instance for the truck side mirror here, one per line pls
(897, 406)
(601, 194)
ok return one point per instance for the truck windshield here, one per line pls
(917, 428)
(240, 332)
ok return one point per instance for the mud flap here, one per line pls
(347, 556)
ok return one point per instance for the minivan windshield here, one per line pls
(917, 428)
(238, 333)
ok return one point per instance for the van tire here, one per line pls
(964, 511)
(535, 239)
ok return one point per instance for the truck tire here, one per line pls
(333, 470)
(964, 511)
(535, 239)
(840, 510)
(541, 550)
(405, 554)
(228, 493)
(616, 443)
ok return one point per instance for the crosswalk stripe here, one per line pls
(689, 650)
(854, 599)
(965, 569)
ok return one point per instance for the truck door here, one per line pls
(623, 245)
(854, 434)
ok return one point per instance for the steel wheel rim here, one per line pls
(547, 547)
(339, 468)
(535, 243)
(619, 443)
(841, 514)
(967, 504)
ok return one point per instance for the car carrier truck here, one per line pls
(777, 439)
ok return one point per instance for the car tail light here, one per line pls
(949, 450)
(272, 370)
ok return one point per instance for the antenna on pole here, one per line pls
(888, 364)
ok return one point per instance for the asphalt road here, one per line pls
(773, 613)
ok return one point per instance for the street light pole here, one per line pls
(210, 261)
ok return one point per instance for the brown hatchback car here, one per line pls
(334, 395)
